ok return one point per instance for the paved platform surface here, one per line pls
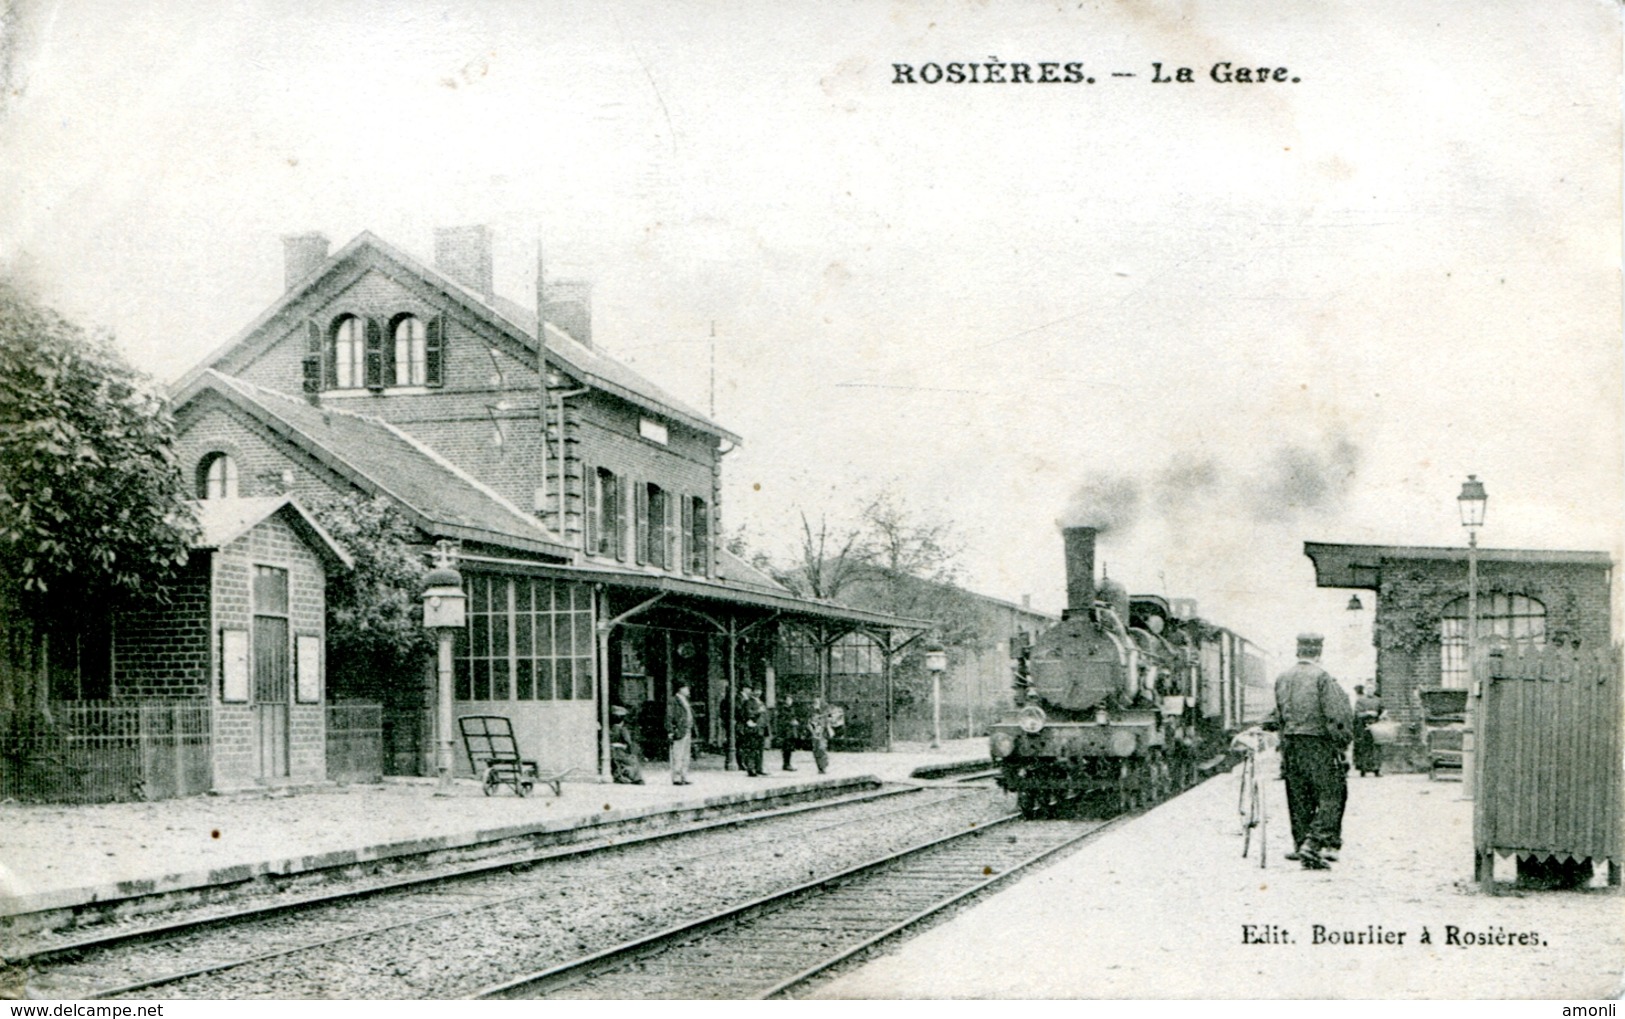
(56, 855)
(1158, 908)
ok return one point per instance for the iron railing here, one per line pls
(101, 751)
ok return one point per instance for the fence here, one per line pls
(355, 742)
(101, 751)
(1550, 775)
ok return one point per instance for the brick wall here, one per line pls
(163, 652)
(485, 418)
(1414, 592)
(212, 425)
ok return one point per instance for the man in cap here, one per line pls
(680, 729)
(1313, 717)
(625, 760)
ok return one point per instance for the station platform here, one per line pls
(1164, 906)
(55, 858)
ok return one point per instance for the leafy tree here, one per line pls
(374, 611)
(92, 502)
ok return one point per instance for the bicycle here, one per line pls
(1250, 797)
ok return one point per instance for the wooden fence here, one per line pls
(1549, 756)
(101, 751)
(355, 742)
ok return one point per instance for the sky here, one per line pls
(1238, 316)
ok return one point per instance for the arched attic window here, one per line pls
(348, 358)
(1502, 618)
(216, 477)
(410, 365)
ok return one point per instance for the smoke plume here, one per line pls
(1106, 501)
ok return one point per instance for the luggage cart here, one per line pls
(493, 756)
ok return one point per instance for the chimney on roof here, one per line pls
(568, 305)
(301, 255)
(464, 254)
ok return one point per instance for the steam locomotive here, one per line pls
(1127, 699)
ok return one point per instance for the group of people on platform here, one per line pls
(1317, 725)
(791, 727)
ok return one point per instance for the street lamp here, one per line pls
(1472, 501)
(936, 663)
(444, 612)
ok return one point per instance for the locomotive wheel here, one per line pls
(1027, 802)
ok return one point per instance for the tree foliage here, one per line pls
(892, 558)
(92, 502)
(374, 611)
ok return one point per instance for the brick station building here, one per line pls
(583, 501)
(1526, 597)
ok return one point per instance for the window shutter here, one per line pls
(434, 352)
(375, 354)
(590, 483)
(668, 517)
(686, 535)
(330, 359)
(640, 535)
(313, 356)
(702, 538)
(619, 517)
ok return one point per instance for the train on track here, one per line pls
(1126, 699)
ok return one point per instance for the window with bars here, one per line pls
(527, 639)
(1503, 618)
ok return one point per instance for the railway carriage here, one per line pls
(1127, 698)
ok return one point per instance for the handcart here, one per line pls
(493, 756)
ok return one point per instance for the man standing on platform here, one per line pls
(787, 729)
(818, 733)
(1313, 717)
(680, 729)
(752, 731)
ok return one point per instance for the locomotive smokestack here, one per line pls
(1080, 569)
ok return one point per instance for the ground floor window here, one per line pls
(527, 639)
(1508, 618)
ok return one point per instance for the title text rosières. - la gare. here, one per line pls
(994, 71)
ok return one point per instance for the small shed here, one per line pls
(244, 635)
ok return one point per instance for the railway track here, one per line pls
(92, 967)
(777, 944)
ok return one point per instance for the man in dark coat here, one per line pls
(1313, 717)
(787, 723)
(752, 731)
(680, 730)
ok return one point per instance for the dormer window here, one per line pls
(216, 477)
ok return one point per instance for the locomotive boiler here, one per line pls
(1125, 699)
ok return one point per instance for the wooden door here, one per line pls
(272, 673)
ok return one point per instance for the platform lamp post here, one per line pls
(1472, 501)
(444, 612)
(936, 663)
